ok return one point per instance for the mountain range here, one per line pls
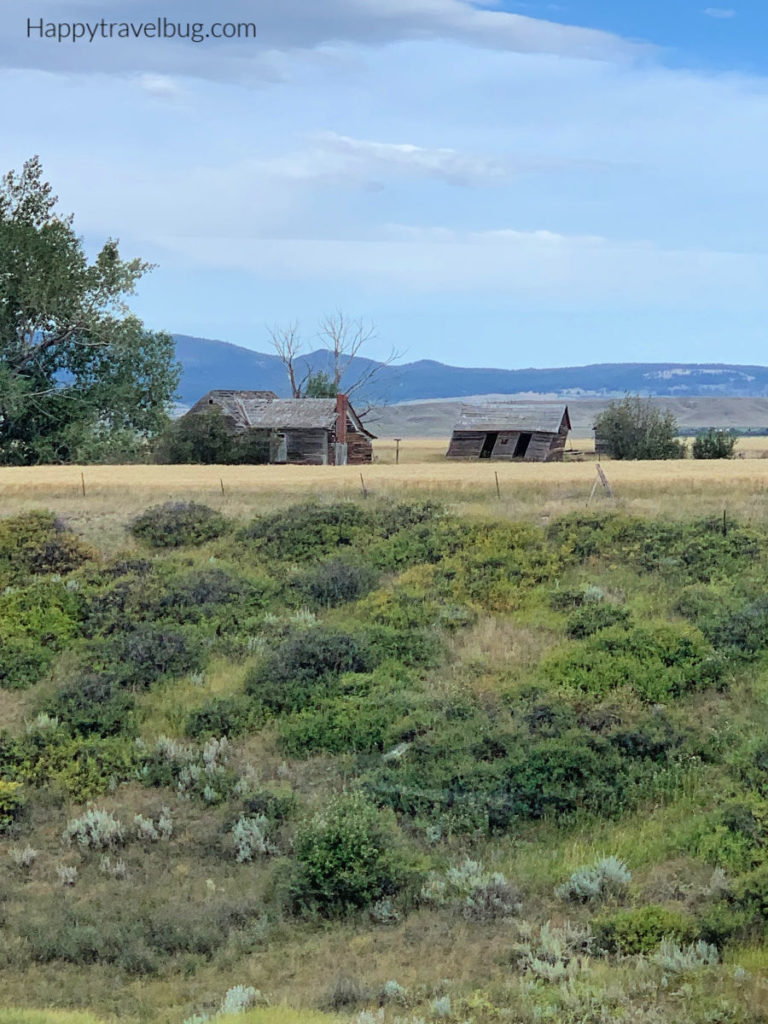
(209, 364)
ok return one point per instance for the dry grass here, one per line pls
(539, 492)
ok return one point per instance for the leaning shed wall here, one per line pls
(466, 444)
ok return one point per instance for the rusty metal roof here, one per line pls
(533, 417)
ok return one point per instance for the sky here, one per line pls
(488, 183)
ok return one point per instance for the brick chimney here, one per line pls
(342, 408)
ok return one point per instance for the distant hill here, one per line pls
(437, 418)
(217, 364)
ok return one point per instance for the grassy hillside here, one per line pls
(378, 761)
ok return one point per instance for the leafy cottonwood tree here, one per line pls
(635, 428)
(76, 367)
(714, 444)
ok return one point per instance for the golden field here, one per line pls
(114, 493)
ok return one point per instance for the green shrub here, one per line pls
(305, 668)
(424, 543)
(722, 921)
(82, 768)
(653, 738)
(93, 706)
(178, 523)
(224, 716)
(12, 803)
(566, 599)
(498, 564)
(734, 836)
(347, 858)
(135, 938)
(334, 582)
(714, 444)
(23, 662)
(410, 648)
(37, 543)
(686, 552)
(657, 662)
(303, 533)
(565, 774)
(638, 932)
(359, 723)
(36, 622)
(742, 632)
(140, 657)
(592, 617)
(751, 892)
(472, 775)
(276, 801)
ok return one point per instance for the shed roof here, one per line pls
(533, 417)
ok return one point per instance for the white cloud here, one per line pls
(542, 267)
(161, 86)
(721, 13)
(362, 157)
(283, 27)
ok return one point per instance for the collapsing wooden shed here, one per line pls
(529, 431)
(301, 431)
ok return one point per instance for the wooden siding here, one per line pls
(316, 447)
(602, 446)
(543, 447)
(359, 449)
(466, 444)
(306, 447)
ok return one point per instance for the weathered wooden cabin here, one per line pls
(529, 431)
(301, 431)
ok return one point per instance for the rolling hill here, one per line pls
(217, 364)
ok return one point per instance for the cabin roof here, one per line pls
(533, 417)
(263, 410)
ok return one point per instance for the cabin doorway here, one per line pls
(279, 452)
(488, 445)
(521, 448)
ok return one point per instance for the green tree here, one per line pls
(76, 366)
(714, 444)
(319, 385)
(635, 428)
(206, 439)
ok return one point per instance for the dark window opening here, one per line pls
(490, 441)
(522, 446)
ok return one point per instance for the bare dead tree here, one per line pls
(346, 337)
(287, 343)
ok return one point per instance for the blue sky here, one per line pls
(500, 184)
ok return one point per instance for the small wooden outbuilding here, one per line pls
(529, 431)
(301, 431)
